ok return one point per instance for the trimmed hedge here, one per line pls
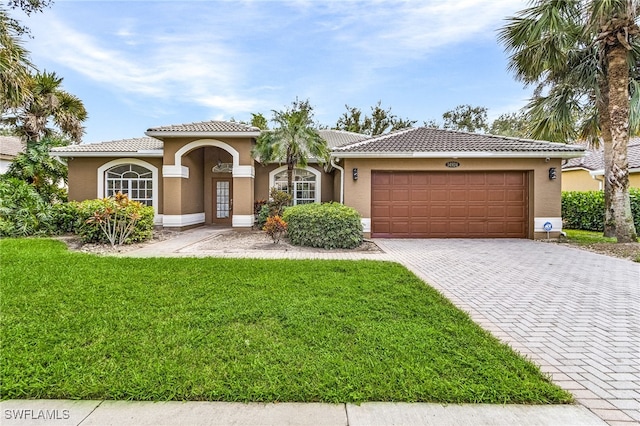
(328, 226)
(585, 209)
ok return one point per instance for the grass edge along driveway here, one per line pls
(81, 326)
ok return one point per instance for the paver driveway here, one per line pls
(575, 313)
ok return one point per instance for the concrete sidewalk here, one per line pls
(104, 413)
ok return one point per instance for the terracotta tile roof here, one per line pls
(336, 138)
(122, 145)
(429, 140)
(206, 127)
(10, 146)
(594, 159)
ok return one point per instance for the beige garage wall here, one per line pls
(544, 194)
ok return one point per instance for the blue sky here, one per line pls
(141, 64)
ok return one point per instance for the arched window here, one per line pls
(131, 179)
(305, 185)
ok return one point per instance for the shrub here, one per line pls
(278, 201)
(114, 220)
(23, 211)
(329, 226)
(275, 227)
(585, 209)
(263, 215)
(65, 217)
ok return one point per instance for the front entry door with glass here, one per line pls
(222, 201)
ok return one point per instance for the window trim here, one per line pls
(315, 172)
(102, 170)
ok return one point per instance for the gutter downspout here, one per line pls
(341, 178)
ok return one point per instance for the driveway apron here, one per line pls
(573, 312)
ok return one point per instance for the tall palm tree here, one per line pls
(15, 65)
(294, 140)
(578, 54)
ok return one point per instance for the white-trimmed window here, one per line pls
(132, 179)
(306, 184)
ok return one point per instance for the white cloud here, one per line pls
(178, 68)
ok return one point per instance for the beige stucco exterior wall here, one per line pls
(263, 186)
(544, 194)
(83, 176)
(579, 180)
(634, 180)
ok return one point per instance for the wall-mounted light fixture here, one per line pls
(355, 173)
(552, 173)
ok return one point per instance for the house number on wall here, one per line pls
(452, 164)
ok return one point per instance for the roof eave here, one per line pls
(160, 134)
(600, 172)
(458, 154)
(150, 153)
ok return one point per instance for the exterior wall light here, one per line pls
(552, 173)
(355, 173)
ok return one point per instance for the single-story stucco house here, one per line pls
(10, 147)
(417, 182)
(587, 173)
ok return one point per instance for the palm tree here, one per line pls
(14, 65)
(579, 54)
(294, 140)
(49, 105)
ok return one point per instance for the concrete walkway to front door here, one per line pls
(575, 313)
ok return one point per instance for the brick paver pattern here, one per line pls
(574, 313)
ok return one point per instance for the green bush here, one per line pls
(91, 232)
(65, 217)
(585, 209)
(23, 211)
(329, 226)
(263, 215)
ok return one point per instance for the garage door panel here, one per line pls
(401, 179)
(516, 195)
(495, 179)
(439, 195)
(400, 194)
(477, 195)
(381, 178)
(449, 204)
(438, 211)
(458, 195)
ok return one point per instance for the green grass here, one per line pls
(587, 237)
(81, 326)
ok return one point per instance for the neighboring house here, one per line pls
(587, 173)
(416, 182)
(10, 147)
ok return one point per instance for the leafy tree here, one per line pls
(381, 121)
(48, 105)
(258, 120)
(39, 169)
(294, 140)
(581, 56)
(466, 118)
(514, 124)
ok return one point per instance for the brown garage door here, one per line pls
(449, 205)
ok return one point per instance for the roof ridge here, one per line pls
(378, 137)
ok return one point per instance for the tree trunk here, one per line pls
(605, 131)
(618, 177)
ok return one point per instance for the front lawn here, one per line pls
(82, 326)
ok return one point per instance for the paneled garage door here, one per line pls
(449, 204)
